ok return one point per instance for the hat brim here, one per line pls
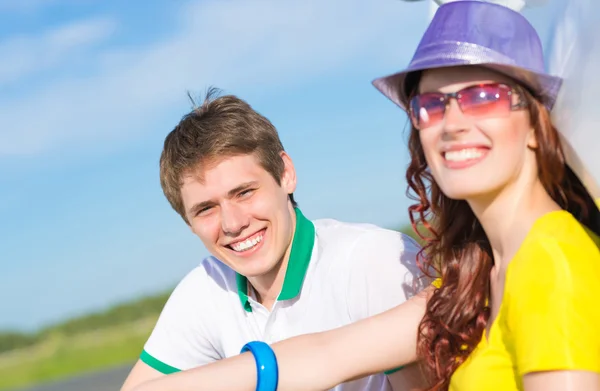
(445, 55)
(546, 87)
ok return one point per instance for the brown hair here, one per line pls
(457, 249)
(221, 127)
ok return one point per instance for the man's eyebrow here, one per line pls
(231, 193)
(199, 206)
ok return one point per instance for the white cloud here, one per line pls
(223, 43)
(23, 56)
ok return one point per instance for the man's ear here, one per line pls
(288, 177)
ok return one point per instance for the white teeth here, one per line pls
(247, 244)
(463, 154)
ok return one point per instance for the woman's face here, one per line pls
(475, 154)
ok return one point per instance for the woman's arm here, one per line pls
(562, 381)
(316, 361)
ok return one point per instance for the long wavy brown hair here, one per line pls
(457, 250)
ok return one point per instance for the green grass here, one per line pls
(60, 357)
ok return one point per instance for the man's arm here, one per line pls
(180, 340)
(359, 349)
(140, 373)
(384, 274)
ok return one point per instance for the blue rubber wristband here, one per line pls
(267, 372)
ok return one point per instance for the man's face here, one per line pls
(243, 217)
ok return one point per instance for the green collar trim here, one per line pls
(302, 246)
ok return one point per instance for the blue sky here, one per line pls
(89, 89)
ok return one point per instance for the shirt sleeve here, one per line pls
(181, 340)
(553, 312)
(383, 273)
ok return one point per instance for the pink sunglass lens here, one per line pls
(486, 101)
(428, 109)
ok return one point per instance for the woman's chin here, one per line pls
(465, 192)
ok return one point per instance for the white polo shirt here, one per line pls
(337, 273)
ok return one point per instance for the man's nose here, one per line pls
(233, 219)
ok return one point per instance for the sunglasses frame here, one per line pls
(446, 97)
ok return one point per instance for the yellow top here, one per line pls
(549, 318)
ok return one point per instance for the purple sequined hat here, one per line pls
(467, 32)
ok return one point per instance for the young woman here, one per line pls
(513, 233)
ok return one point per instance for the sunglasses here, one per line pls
(478, 101)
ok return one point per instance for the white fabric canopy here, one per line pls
(517, 5)
(575, 55)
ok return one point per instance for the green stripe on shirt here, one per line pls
(393, 370)
(160, 366)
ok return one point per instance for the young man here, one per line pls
(273, 273)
